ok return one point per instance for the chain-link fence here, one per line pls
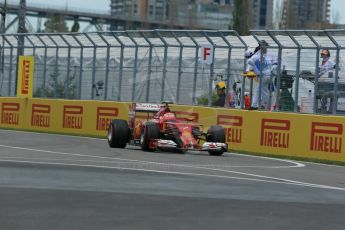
(167, 65)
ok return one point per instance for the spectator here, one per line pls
(221, 95)
(262, 63)
(327, 64)
(233, 96)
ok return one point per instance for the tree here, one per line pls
(75, 27)
(56, 23)
(59, 88)
(241, 16)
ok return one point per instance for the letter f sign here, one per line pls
(207, 54)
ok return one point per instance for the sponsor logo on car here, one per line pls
(72, 117)
(147, 107)
(40, 116)
(326, 137)
(275, 133)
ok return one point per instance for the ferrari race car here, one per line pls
(155, 126)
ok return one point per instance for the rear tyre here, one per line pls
(151, 131)
(216, 133)
(118, 134)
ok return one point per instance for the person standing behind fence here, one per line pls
(327, 63)
(262, 63)
(221, 96)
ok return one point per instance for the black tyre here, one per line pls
(118, 134)
(151, 131)
(216, 133)
(196, 132)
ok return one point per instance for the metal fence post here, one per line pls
(335, 96)
(45, 66)
(280, 47)
(244, 79)
(56, 62)
(211, 69)
(228, 69)
(179, 71)
(149, 67)
(68, 78)
(135, 65)
(165, 59)
(93, 65)
(298, 64)
(10, 67)
(196, 65)
(33, 45)
(80, 66)
(106, 66)
(317, 70)
(121, 66)
(260, 65)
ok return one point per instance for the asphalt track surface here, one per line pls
(65, 182)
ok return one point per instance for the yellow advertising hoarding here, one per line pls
(25, 76)
(301, 135)
(12, 114)
(75, 117)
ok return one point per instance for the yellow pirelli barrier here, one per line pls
(13, 112)
(301, 135)
(75, 117)
(61, 116)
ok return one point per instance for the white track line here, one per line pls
(55, 134)
(262, 178)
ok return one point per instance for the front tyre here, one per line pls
(215, 133)
(150, 131)
(118, 134)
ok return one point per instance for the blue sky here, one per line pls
(103, 5)
(337, 10)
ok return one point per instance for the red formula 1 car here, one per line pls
(155, 126)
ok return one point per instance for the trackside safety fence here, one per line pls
(173, 65)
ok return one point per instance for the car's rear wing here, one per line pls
(146, 107)
(141, 111)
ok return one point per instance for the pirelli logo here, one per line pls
(72, 117)
(25, 76)
(234, 126)
(187, 115)
(326, 137)
(10, 113)
(40, 116)
(275, 133)
(104, 116)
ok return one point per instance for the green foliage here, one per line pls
(241, 15)
(55, 24)
(203, 100)
(56, 88)
(75, 27)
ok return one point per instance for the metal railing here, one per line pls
(164, 65)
